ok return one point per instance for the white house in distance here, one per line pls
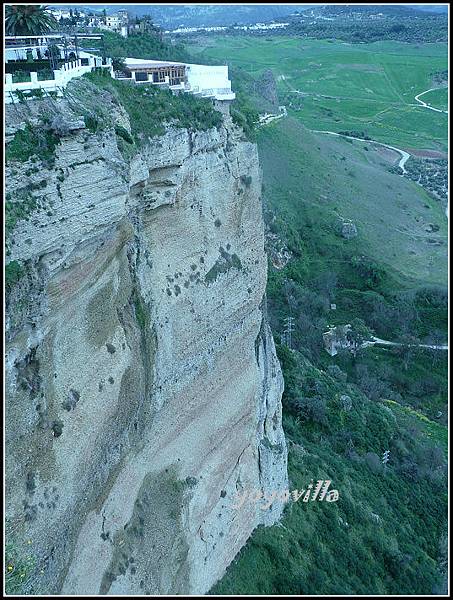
(201, 80)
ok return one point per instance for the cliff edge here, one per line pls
(143, 388)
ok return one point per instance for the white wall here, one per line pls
(61, 78)
(207, 77)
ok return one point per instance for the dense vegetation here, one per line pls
(369, 541)
(417, 30)
(144, 45)
(432, 174)
(32, 141)
(150, 108)
(341, 413)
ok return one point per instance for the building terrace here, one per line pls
(201, 80)
(68, 58)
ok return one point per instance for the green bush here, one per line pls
(21, 76)
(91, 123)
(32, 141)
(21, 208)
(150, 108)
(13, 273)
(123, 133)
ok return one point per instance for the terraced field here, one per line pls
(342, 86)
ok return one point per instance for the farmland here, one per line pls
(347, 86)
(380, 537)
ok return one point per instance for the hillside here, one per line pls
(341, 413)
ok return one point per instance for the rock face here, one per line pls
(267, 88)
(143, 388)
(348, 230)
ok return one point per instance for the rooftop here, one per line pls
(150, 64)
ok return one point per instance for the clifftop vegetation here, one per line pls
(142, 45)
(150, 108)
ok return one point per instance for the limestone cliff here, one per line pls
(143, 388)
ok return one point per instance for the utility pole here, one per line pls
(289, 329)
(385, 458)
(104, 56)
(76, 44)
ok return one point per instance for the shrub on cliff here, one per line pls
(13, 272)
(150, 108)
(32, 141)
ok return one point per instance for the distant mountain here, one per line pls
(432, 8)
(201, 15)
(170, 16)
(408, 10)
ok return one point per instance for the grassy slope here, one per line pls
(437, 98)
(310, 179)
(344, 548)
(326, 176)
(369, 86)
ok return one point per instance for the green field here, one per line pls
(381, 537)
(367, 87)
(320, 178)
(437, 98)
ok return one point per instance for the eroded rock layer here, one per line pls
(143, 388)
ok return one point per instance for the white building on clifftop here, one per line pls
(201, 80)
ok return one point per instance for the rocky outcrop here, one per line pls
(348, 230)
(266, 87)
(143, 388)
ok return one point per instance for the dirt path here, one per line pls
(422, 103)
(381, 342)
(404, 155)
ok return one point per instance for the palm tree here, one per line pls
(28, 20)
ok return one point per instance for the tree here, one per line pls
(358, 334)
(407, 349)
(28, 20)
(118, 64)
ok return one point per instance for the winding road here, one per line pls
(268, 118)
(422, 103)
(404, 155)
